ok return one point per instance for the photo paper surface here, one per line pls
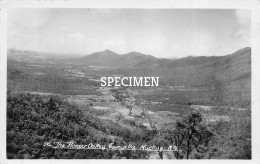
(128, 83)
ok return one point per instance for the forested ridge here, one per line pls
(33, 120)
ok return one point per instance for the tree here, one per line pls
(191, 134)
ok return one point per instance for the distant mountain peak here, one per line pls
(105, 53)
(138, 54)
(108, 51)
(134, 53)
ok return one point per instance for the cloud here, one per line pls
(114, 43)
(201, 43)
(240, 32)
(64, 28)
(243, 17)
(29, 18)
(16, 35)
(77, 36)
(156, 32)
(151, 41)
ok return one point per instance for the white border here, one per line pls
(254, 5)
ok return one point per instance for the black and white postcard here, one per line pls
(129, 81)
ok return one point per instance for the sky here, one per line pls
(163, 33)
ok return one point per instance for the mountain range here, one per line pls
(110, 58)
(140, 60)
(229, 76)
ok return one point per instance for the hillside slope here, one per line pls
(33, 120)
(226, 78)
